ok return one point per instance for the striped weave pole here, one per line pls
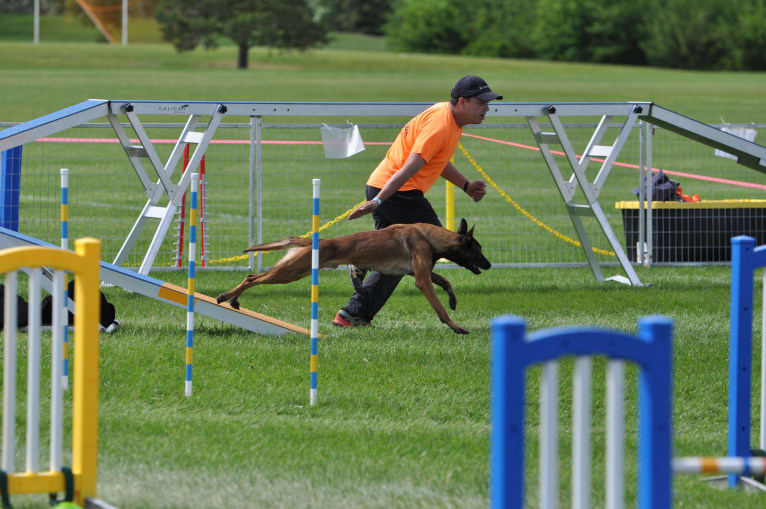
(65, 245)
(190, 284)
(722, 465)
(314, 293)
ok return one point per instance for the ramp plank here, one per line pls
(171, 294)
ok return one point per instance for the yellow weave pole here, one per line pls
(449, 197)
(85, 397)
(450, 205)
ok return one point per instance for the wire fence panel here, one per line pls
(522, 220)
(731, 202)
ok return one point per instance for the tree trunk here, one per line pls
(242, 59)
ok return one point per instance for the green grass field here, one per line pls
(402, 418)
(403, 409)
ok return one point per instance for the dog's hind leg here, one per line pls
(280, 244)
(441, 281)
(233, 294)
(292, 267)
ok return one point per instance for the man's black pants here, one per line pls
(403, 207)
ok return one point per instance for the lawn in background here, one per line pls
(403, 411)
(39, 79)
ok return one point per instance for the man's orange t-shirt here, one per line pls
(434, 135)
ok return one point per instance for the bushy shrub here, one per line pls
(560, 32)
(617, 30)
(608, 31)
(691, 34)
(751, 36)
(367, 17)
(429, 26)
(479, 27)
(502, 30)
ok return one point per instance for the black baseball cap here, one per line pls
(473, 86)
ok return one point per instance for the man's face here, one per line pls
(475, 110)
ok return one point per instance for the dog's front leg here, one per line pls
(440, 280)
(423, 275)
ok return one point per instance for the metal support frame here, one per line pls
(568, 187)
(747, 153)
(163, 188)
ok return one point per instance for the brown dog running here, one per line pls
(399, 249)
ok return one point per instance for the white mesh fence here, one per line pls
(527, 225)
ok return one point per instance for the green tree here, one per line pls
(502, 30)
(429, 26)
(617, 31)
(367, 17)
(751, 36)
(561, 29)
(692, 34)
(478, 27)
(272, 23)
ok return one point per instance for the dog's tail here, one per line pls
(280, 244)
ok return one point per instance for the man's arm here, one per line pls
(411, 166)
(476, 189)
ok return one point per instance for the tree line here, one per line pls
(686, 34)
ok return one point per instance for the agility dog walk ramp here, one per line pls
(164, 195)
(747, 153)
(171, 294)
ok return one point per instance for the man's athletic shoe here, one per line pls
(343, 319)
(357, 277)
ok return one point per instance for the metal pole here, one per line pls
(259, 186)
(37, 22)
(124, 22)
(641, 251)
(251, 193)
(649, 213)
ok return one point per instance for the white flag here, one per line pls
(747, 133)
(341, 142)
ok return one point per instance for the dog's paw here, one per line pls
(452, 302)
(459, 330)
(234, 303)
(220, 298)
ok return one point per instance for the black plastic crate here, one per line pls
(695, 231)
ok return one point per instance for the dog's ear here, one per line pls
(470, 232)
(463, 227)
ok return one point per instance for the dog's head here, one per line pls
(468, 253)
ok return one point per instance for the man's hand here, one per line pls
(476, 190)
(365, 209)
